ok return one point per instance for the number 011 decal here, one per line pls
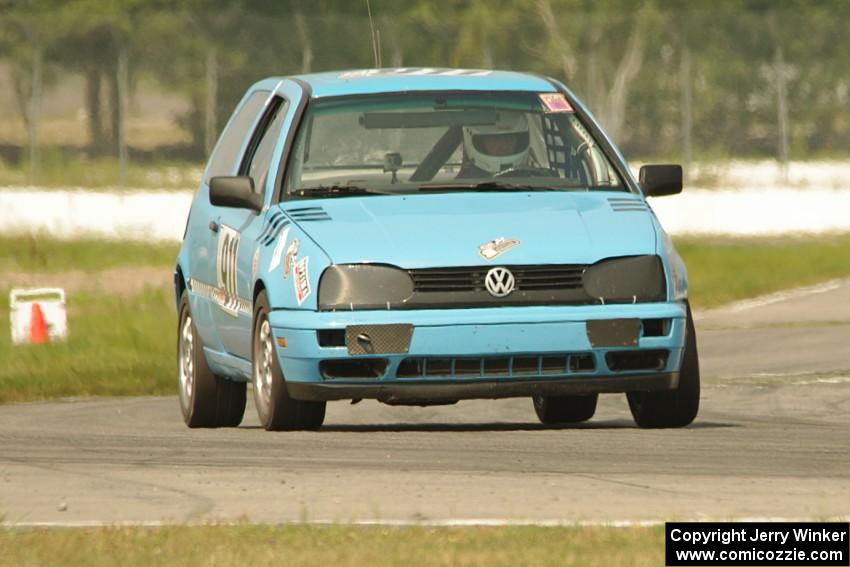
(226, 258)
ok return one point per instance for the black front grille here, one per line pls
(528, 278)
(556, 364)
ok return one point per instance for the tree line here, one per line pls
(673, 78)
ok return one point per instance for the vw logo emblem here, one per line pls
(499, 282)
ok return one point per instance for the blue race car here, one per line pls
(423, 236)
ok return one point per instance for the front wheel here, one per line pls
(276, 410)
(206, 400)
(552, 410)
(674, 408)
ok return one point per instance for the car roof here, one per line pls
(407, 79)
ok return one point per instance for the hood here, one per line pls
(447, 229)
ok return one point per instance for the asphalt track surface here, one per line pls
(772, 441)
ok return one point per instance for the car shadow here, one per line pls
(498, 426)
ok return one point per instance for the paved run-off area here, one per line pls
(772, 440)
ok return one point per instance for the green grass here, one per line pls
(59, 171)
(724, 270)
(39, 253)
(334, 545)
(117, 346)
(124, 345)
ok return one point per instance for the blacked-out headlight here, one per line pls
(363, 286)
(631, 279)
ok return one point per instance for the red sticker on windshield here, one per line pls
(555, 102)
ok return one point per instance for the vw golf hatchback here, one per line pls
(423, 236)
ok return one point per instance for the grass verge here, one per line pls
(117, 346)
(725, 270)
(124, 345)
(334, 545)
(58, 171)
(39, 253)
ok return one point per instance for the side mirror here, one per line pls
(235, 192)
(660, 180)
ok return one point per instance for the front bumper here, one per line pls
(402, 392)
(501, 338)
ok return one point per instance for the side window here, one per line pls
(298, 157)
(259, 156)
(227, 152)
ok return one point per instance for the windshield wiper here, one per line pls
(334, 191)
(487, 186)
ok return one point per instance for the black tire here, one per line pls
(674, 408)
(552, 410)
(206, 400)
(276, 410)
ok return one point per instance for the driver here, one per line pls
(491, 149)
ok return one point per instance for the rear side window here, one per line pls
(227, 152)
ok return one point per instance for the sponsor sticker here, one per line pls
(301, 280)
(490, 250)
(289, 257)
(358, 74)
(555, 102)
(278, 250)
(414, 71)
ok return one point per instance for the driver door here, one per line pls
(239, 229)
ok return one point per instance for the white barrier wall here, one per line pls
(161, 215)
(144, 215)
(754, 212)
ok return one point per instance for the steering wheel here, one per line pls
(526, 171)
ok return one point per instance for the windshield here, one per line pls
(405, 143)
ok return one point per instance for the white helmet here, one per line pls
(500, 146)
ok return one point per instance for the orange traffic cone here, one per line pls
(38, 326)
